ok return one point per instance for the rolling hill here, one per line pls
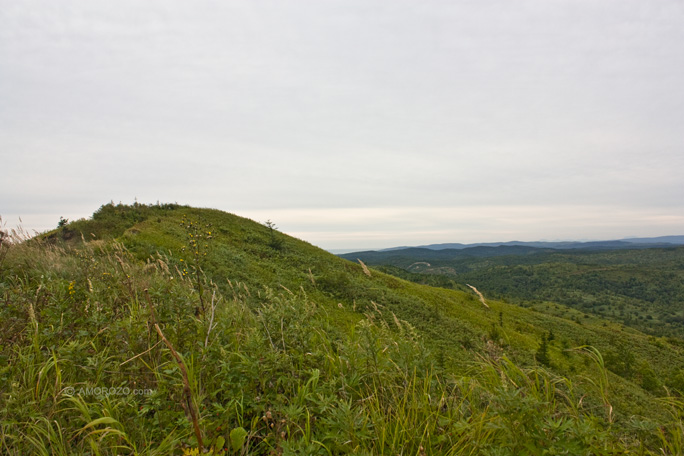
(642, 288)
(168, 329)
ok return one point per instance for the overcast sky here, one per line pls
(354, 123)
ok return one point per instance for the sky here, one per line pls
(350, 124)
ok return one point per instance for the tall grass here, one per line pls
(260, 371)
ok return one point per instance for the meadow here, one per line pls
(166, 329)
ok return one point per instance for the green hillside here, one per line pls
(640, 288)
(162, 329)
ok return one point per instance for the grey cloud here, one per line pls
(276, 105)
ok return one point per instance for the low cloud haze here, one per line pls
(350, 124)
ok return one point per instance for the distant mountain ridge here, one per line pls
(630, 243)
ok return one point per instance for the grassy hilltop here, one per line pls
(165, 329)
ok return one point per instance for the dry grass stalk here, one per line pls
(211, 320)
(188, 405)
(364, 267)
(482, 299)
(396, 321)
(286, 289)
(151, 307)
(140, 354)
(127, 278)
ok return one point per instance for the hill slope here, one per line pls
(639, 288)
(287, 348)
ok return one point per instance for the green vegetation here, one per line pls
(640, 288)
(171, 330)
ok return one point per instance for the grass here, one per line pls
(286, 350)
(640, 288)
